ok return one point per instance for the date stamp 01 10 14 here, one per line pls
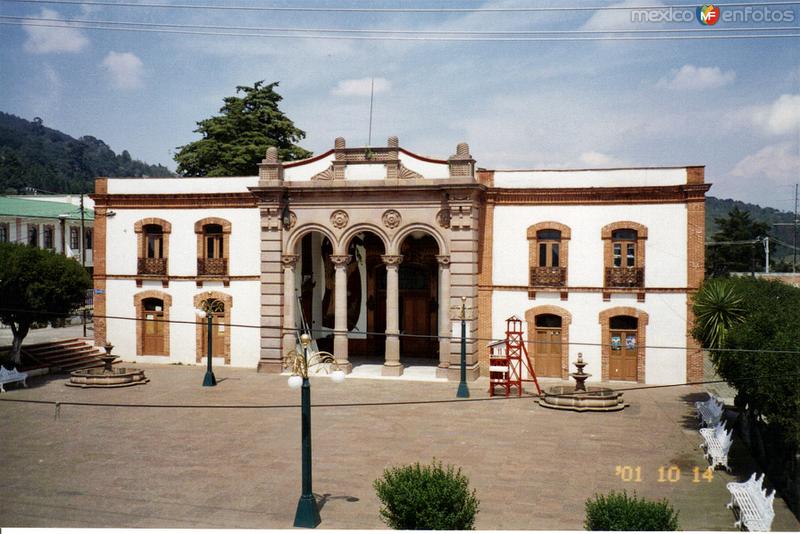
(670, 474)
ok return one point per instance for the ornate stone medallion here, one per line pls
(339, 219)
(391, 219)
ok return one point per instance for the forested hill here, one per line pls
(33, 155)
(719, 207)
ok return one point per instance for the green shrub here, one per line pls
(426, 497)
(618, 511)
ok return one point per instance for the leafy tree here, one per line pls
(737, 226)
(235, 141)
(37, 285)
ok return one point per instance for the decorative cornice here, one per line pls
(673, 194)
(392, 260)
(407, 174)
(176, 201)
(325, 175)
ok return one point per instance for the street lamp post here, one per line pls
(307, 515)
(207, 311)
(463, 390)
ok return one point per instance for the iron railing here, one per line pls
(548, 276)
(152, 266)
(624, 277)
(212, 266)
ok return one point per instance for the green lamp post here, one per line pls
(307, 515)
(209, 308)
(463, 390)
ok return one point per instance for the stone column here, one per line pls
(392, 365)
(340, 263)
(444, 316)
(289, 262)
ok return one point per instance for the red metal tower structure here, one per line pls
(506, 360)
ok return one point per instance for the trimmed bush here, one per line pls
(618, 511)
(426, 497)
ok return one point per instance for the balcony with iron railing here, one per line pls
(212, 266)
(624, 277)
(152, 266)
(548, 276)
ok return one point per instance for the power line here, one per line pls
(401, 335)
(407, 38)
(387, 31)
(396, 10)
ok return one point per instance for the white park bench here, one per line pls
(9, 377)
(717, 442)
(756, 510)
(710, 411)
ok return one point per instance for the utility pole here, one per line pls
(766, 252)
(794, 242)
(83, 263)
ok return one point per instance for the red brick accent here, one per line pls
(485, 286)
(566, 320)
(176, 200)
(695, 272)
(642, 319)
(668, 194)
(533, 248)
(99, 261)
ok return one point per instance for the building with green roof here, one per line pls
(49, 222)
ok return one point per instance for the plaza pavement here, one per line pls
(533, 468)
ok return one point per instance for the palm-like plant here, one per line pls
(717, 307)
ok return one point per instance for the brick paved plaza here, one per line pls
(533, 468)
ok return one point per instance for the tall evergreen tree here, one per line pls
(235, 141)
(737, 226)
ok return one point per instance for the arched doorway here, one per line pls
(623, 355)
(547, 345)
(153, 332)
(315, 286)
(418, 297)
(366, 308)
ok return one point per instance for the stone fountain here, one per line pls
(580, 397)
(108, 376)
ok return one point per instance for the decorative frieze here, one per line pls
(340, 260)
(392, 259)
(289, 260)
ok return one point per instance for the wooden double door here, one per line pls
(624, 351)
(547, 346)
(154, 340)
(217, 334)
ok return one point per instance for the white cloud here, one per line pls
(50, 40)
(126, 69)
(779, 162)
(780, 117)
(598, 159)
(691, 78)
(361, 87)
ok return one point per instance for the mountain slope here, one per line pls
(33, 155)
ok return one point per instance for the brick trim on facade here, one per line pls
(176, 200)
(99, 263)
(670, 194)
(484, 285)
(137, 303)
(566, 321)
(641, 236)
(227, 300)
(642, 318)
(695, 273)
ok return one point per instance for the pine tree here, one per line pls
(235, 141)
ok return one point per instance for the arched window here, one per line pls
(624, 254)
(213, 235)
(547, 254)
(153, 243)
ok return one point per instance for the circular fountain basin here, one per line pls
(100, 378)
(594, 399)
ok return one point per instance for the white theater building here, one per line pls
(364, 245)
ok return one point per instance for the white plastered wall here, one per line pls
(245, 256)
(666, 328)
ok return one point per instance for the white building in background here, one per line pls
(364, 245)
(50, 222)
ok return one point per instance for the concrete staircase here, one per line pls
(64, 356)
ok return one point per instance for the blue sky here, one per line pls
(732, 105)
